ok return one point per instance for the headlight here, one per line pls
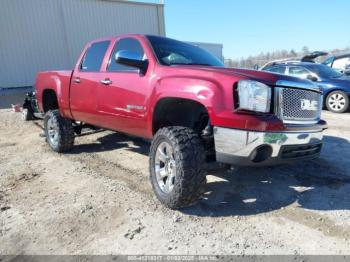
(254, 96)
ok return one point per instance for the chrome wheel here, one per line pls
(53, 132)
(24, 114)
(337, 102)
(165, 167)
(176, 163)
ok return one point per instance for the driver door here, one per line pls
(123, 92)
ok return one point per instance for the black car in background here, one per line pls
(335, 85)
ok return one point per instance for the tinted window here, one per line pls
(328, 61)
(276, 69)
(129, 44)
(298, 71)
(324, 71)
(173, 52)
(94, 56)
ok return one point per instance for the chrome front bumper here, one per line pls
(250, 148)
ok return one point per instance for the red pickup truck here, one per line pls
(192, 108)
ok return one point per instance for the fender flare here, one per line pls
(54, 84)
(205, 92)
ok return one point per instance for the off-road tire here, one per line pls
(189, 155)
(346, 101)
(27, 114)
(65, 140)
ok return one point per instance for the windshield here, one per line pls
(324, 71)
(172, 52)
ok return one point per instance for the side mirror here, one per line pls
(130, 58)
(312, 78)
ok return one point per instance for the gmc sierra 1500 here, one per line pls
(185, 101)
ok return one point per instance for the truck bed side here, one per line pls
(53, 85)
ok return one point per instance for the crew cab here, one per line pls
(188, 104)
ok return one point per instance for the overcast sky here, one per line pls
(249, 27)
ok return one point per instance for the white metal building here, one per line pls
(37, 35)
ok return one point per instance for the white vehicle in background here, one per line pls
(340, 63)
(307, 58)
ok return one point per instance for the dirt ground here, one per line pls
(97, 200)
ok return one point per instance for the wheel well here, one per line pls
(49, 100)
(180, 112)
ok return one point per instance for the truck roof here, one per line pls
(127, 35)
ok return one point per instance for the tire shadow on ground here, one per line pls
(321, 184)
(112, 142)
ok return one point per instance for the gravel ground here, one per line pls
(97, 200)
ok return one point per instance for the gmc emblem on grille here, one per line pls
(310, 105)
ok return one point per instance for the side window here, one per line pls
(93, 58)
(276, 69)
(328, 61)
(129, 44)
(341, 63)
(298, 71)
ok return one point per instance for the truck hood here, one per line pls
(260, 76)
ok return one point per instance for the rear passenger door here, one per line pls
(85, 82)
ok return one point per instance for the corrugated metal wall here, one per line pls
(37, 35)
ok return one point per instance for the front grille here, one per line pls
(298, 105)
(300, 151)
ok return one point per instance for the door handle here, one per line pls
(76, 80)
(106, 82)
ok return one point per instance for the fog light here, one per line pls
(261, 154)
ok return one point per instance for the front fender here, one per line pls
(217, 98)
(208, 93)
